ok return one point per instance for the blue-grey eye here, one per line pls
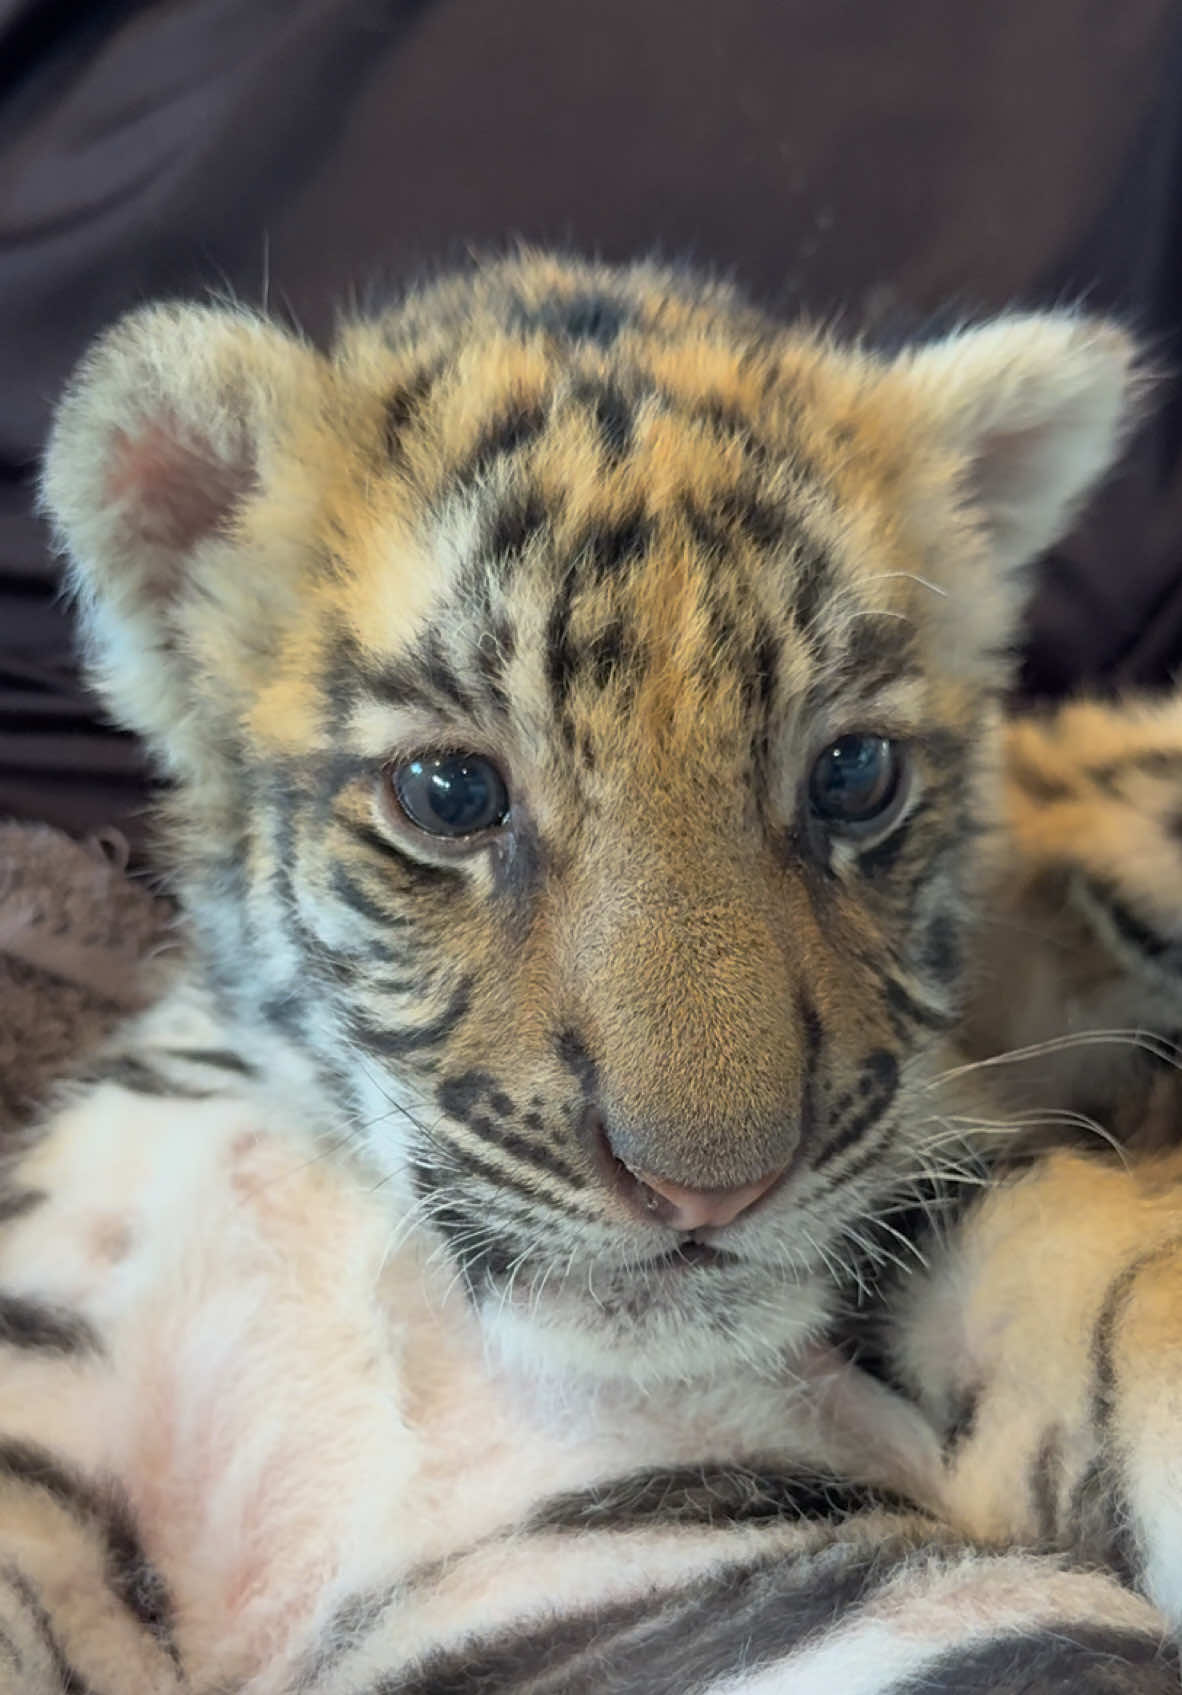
(856, 780)
(452, 794)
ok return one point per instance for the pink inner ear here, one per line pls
(176, 491)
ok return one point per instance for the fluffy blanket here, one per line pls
(80, 939)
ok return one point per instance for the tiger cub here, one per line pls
(582, 703)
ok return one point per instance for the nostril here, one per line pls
(664, 1202)
(703, 1209)
(616, 1175)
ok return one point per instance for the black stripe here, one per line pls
(1154, 762)
(880, 860)
(732, 422)
(396, 1044)
(130, 1574)
(490, 659)
(706, 1495)
(561, 657)
(529, 1153)
(1099, 1497)
(939, 954)
(878, 650)
(813, 1031)
(396, 682)
(413, 871)
(371, 838)
(402, 408)
(871, 1152)
(286, 1010)
(441, 677)
(962, 1423)
(326, 775)
(604, 655)
(1042, 1482)
(905, 1009)
(813, 587)
(140, 1078)
(521, 516)
(1164, 951)
(469, 1163)
(34, 1325)
(1100, 1534)
(223, 1059)
(590, 316)
(513, 1663)
(765, 666)
(348, 890)
(424, 678)
(1102, 1348)
(1047, 791)
(385, 984)
(878, 1084)
(610, 545)
(17, 1202)
(69, 1678)
(946, 751)
(574, 1056)
(613, 416)
(708, 532)
(514, 428)
(739, 1619)
(473, 1098)
(1063, 1659)
(481, 1258)
(354, 1620)
(762, 521)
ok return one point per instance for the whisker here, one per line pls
(1169, 1053)
(1020, 1123)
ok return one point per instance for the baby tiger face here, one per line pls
(582, 695)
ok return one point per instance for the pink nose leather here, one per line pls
(698, 1209)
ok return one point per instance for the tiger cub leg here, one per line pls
(81, 1609)
(878, 1604)
(1045, 1343)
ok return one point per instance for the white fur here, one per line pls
(301, 1407)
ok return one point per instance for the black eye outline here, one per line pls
(885, 802)
(409, 785)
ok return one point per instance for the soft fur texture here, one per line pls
(355, 1342)
(82, 944)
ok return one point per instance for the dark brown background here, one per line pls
(854, 157)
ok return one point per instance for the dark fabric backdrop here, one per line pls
(844, 155)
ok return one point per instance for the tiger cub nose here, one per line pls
(662, 1201)
(698, 1209)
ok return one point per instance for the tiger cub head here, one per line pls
(581, 698)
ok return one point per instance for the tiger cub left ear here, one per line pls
(1036, 408)
(168, 431)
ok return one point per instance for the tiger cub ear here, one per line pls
(164, 433)
(1033, 409)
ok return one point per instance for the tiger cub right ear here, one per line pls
(1036, 408)
(164, 433)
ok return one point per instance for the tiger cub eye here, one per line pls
(855, 781)
(451, 794)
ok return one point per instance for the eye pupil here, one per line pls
(455, 794)
(855, 779)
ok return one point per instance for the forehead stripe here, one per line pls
(516, 427)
